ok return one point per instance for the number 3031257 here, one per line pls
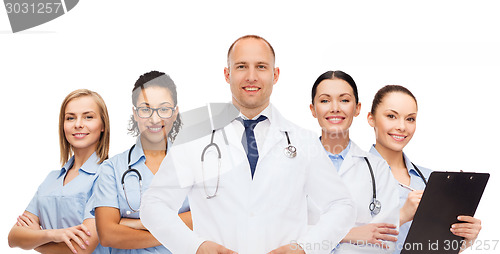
(33, 8)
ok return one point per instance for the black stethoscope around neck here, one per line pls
(375, 206)
(139, 176)
(131, 170)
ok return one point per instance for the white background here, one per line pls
(447, 54)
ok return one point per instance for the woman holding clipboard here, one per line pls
(393, 116)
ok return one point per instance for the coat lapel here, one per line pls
(233, 138)
(352, 156)
(275, 133)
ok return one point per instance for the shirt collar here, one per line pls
(374, 151)
(342, 154)
(138, 152)
(408, 164)
(267, 112)
(90, 166)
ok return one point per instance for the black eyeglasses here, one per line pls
(147, 112)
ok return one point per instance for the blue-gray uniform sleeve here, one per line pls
(89, 206)
(105, 192)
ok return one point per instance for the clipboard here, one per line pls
(446, 196)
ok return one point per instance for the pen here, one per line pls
(406, 187)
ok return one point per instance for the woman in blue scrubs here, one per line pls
(58, 218)
(156, 122)
(335, 103)
(394, 116)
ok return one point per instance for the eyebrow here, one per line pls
(395, 112)
(244, 62)
(86, 112)
(147, 104)
(325, 94)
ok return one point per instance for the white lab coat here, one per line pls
(356, 175)
(249, 216)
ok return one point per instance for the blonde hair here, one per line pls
(103, 144)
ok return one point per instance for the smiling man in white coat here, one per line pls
(255, 200)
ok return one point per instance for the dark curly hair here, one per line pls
(155, 79)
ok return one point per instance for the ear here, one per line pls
(176, 112)
(276, 75)
(358, 109)
(134, 113)
(371, 119)
(226, 74)
(313, 111)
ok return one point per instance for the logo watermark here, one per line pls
(26, 14)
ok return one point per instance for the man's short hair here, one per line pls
(250, 36)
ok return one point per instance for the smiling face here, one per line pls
(394, 121)
(154, 130)
(82, 124)
(335, 106)
(251, 75)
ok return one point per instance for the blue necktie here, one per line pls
(249, 143)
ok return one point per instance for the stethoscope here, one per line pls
(419, 173)
(132, 170)
(290, 152)
(375, 206)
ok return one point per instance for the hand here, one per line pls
(288, 249)
(25, 220)
(469, 229)
(79, 234)
(208, 247)
(410, 207)
(372, 233)
(132, 223)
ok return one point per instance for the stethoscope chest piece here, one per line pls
(290, 151)
(375, 207)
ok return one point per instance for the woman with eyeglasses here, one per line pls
(58, 219)
(126, 176)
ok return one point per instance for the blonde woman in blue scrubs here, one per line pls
(156, 122)
(335, 103)
(58, 218)
(394, 116)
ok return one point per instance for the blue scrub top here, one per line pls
(109, 191)
(59, 206)
(417, 183)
